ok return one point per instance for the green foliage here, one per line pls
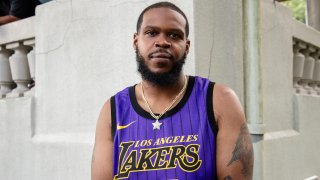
(298, 8)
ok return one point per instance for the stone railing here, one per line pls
(17, 59)
(306, 60)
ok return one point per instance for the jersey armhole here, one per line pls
(212, 120)
(113, 116)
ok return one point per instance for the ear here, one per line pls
(187, 46)
(135, 41)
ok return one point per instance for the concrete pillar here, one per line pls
(315, 80)
(31, 58)
(298, 63)
(5, 72)
(308, 69)
(313, 14)
(19, 67)
(252, 68)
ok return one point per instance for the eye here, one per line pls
(175, 36)
(151, 33)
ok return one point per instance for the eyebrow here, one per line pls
(170, 29)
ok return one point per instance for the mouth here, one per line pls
(160, 55)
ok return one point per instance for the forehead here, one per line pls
(163, 18)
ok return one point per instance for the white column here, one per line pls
(253, 83)
(31, 59)
(308, 69)
(298, 63)
(19, 68)
(313, 14)
(316, 75)
(5, 72)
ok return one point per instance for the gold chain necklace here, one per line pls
(156, 125)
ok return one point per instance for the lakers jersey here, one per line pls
(183, 148)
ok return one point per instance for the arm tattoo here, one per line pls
(227, 178)
(243, 151)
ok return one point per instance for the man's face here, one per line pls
(161, 42)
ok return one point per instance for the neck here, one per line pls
(169, 90)
(159, 97)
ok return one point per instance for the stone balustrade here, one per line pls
(17, 64)
(306, 68)
(17, 58)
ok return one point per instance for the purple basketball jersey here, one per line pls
(183, 148)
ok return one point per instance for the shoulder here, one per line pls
(124, 91)
(123, 94)
(224, 91)
(102, 152)
(122, 98)
(105, 114)
(226, 103)
(234, 146)
(104, 124)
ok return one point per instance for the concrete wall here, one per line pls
(219, 42)
(313, 14)
(15, 133)
(84, 55)
(292, 120)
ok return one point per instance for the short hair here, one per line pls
(163, 5)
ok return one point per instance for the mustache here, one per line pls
(160, 51)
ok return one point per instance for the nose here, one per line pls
(162, 42)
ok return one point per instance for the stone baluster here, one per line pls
(5, 72)
(298, 63)
(31, 59)
(316, 74)
(308, 69)
(19, 68)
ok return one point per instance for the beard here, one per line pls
(160, 79)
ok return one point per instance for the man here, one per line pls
(170, 126)
(13, 10)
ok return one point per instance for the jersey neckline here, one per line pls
(145, 114)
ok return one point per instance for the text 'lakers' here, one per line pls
(156, 158)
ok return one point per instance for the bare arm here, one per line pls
(7, 19)
(101, 167)
(234, 146)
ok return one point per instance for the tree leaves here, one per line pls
(298, 8)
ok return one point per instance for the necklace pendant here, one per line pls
(156, 125)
